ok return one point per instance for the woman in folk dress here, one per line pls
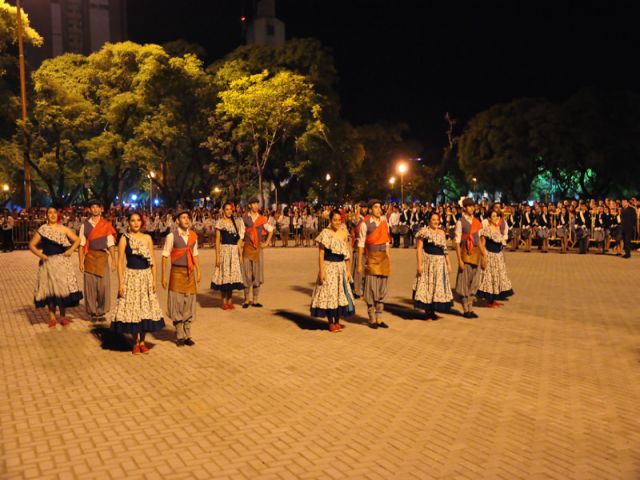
(138, 310)
(332, 297)
(227, 275)
(57, 285)
(432, 288)
(494, 282)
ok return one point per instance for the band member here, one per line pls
(581, 224)
(332, 297)
(615, 226)
(181, 247)
(357, 274)
(629, 218)
(494, 282)
(404, 225)
(253, 256)
(432, 288)
(514, 221)
(563, 228)
(526, 227)
(600, 227)
(470, 256)
(57, 285)
(542, 224)
(374, 237)
(97, 244)
(7, 231)
(227, 275)
(138, 310)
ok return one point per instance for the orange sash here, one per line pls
(379, 236)
(252, 231)
(102, 229)
(176, 253)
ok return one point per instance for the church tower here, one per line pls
(265, 28)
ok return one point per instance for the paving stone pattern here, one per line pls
(547, 387)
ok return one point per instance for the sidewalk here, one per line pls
(547, 387)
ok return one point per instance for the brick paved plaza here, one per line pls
(548, 387)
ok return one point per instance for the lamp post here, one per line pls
(402, 169)
(152, 175)
(475, 187)
(392, 182)
(23, 101)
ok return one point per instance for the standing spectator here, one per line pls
(310, 226)
(394, 226)
(7, 231)
(629, 218)
(284, 223)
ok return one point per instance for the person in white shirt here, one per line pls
(181, 249)
(394, 226)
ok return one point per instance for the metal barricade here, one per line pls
(23, 230)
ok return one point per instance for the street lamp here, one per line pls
(5, 187)
(475, 186)
(152, 175)
(327, 177)
(402, 169)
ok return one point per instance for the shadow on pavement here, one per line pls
(301, 289)
(304, 322)
(110, 340)
(209, 300)
(403, 312)
(164, 335)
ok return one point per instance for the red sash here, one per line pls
(476, 226)
(102, 229)
(252, 231)
(177, 253)
(379, 236)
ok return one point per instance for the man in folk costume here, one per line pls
(181, 247)
(252, 255)
(97, 243)
(374, 240)
(470, 256)
(358, 275)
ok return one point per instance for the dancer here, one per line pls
(182, 248)
(227, 275)
(494, 282)
(252, 252)
(375, 238)
(57, 285)
(432, 288)
(357, 273)
(97, 244)
(469, 255)
(137, 310)
(332, 297)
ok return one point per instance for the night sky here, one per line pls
(410, 61)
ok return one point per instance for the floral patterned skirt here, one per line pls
(432, 289)
(333, 298)
(139, 310)
(228, 276)
(57, 284)
(494, 282)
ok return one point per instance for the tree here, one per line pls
(267, 110)
(9, 27)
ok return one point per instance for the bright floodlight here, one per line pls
(5, 187)
(402, 168)
(134, 197)
(392, 180)
(216, 190)
(327, 177)
(152, 174)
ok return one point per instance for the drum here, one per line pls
(403, 229)
(598, 235)
(581, 232)
(542, 232)
(514, 232)
(525, 233)
(616, 233)
(561, 231)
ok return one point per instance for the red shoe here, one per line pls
(340, 326)
(143, 348)
(225, 307)
(136, 349)
(498, 304)
(333, 327)
(52, 324)
(231, 306)
(493, 305)
(65, 321)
